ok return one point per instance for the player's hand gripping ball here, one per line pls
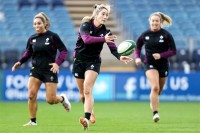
(126, 47)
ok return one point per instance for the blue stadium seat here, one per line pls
(11, 57)
(170, 2)
(22, 3)
(197, 44)
(175, 31)
(43, 8)
(20, 44)
(4, 33)
(26, 8)
(196, 55)
(18, 22)
(183, 55)
(9, 9)
(191, 33)
(2, 25)
(181, 44)
(182, 13)
(191, 8)
(9, 2)
(157, 7)
(195, 66)
(38, 3)
(56, 3)
(186, 2)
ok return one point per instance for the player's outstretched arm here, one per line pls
(16, 65)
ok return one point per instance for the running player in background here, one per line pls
(159, 45)
(87, 61)
(42, 47)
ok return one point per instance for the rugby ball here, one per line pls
(126, 47)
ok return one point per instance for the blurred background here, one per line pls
(128, 19)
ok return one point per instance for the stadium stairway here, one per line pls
(78, 9)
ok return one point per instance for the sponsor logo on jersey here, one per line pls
(101, 35)
(34, 40)
(47, 41)
(91, 32)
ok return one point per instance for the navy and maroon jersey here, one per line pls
(90, 42)
(160, 42)
(43, 49)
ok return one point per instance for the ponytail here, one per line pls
(97, 9)
(166, 21)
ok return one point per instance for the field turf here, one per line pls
(112, 117)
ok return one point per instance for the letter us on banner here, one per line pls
(179, 87)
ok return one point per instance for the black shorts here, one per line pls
(163, 70)
(79, 68)
(44, 75)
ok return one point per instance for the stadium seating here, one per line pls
(16, 22)
(11, 56)
(134, 14)
(184, 14)
(16, 25)
(55, 3)
(38, 3)
(22, 3)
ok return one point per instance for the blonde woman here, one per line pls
(42, 47)
(87, 61)
(159, 46)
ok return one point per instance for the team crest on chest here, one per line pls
(47, 41)
(161, 39)
(91, 32)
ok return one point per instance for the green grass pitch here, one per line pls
(112, 117)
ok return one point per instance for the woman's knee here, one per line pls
(32, 96)
(87, 91)
(50, 100)
(155, 88)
